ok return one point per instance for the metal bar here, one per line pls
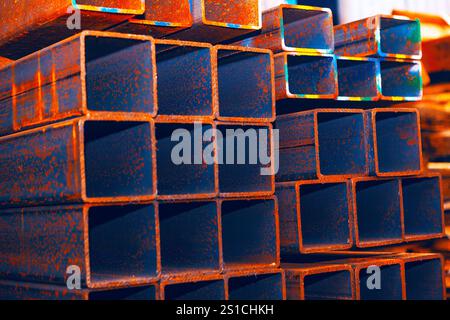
(245, 84)
(242, 152)
(210, 287)
(358, 79)
(190, 238)
(423, 207)
(319, 281)
(93, 72)
(380, 36)
(190, 175)
(28, 26)
(186, 79)
(295, 28)
(265, 284)
(322, 143)
(435, 55)
(10, 290)
(436, 145)
(42, 244)
(4, 62)
(250, 235)
(314, 217)
(377, 212)
(107, 159)
(161, 18)
(395, 147)
(305, 76)
(216, 21)
(401, 80)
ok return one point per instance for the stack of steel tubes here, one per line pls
(89, 185)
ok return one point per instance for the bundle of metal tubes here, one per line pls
(93, 205)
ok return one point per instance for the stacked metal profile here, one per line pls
(351, 170)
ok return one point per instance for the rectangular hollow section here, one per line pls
(189, 236)
(171, 12)
(401, 79)
(184, 80)
(378, 212)
(249, 233)
(233, 13)
(122, 243)
(256, 287)
(358, 79)
(132, 293)
(381, 282)
(201, 290)
(422, 205)
(245, 84)
(311, 75)
(335, 285)
(424, 280)
(400, 37)
(324, 216)
(185, 160)
(397, 135)
(244, 157)
(118, 159)
(119, 75)
(307, 29)
(342, 143)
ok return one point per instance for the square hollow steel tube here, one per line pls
(401, 80)
(93, 72)
(246, 159)
(31, 25)
(110, 245)
(106, 159)
(209, 287)
(216, 21)
(295, 28)
(322, 144)
(305, 76)
(10, 290)
(395, 145)
(264, 284)
(319, 281)
(423, 207)
(250, 234)
(380, 36)
(314, 216)
(358, 79)
(377, 211)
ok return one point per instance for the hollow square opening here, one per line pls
(244, 153)
(378, 211)
(119, 75)
(245, 84)
(342, 143)
(308, 29)
(390, 283)
(182, 168)
(132, 293)
(422, 205)
(336, 285)
(401, 79)
(122, 243)
(202, 290)
(357, 78)
(424, 280)
(175, 12)
(189, 236)
(184, 80)
(234, 13)
(249, 233)
(400, 36)
(118, 159)
(398, 142)
(256, 287)
(114, 5)
(324, 215)
(312, 75)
